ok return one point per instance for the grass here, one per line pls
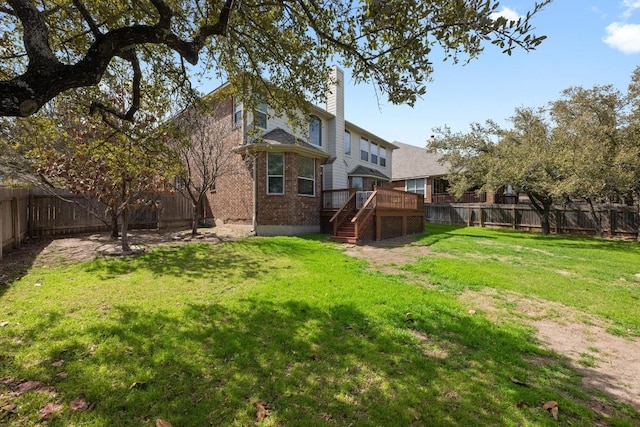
(198, 334)
(592, 275)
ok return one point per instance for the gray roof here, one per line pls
(369, 172)
(279, 136)
(411, 162)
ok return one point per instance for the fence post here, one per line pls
(468, 215)
(613, 214)
(481, 216)
(513, 215)
(1, 228)
(15, 216)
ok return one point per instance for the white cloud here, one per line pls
(624, 37)
(630, 7)
(508, 14)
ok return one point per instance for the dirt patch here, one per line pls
(607, 362)
(66, 250)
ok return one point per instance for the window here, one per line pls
(415, 186)
(383, 157)
(357, 182)
(374, 153)
(347, 142)
(275, 173)
(315, 130)
(237, 112)
(364, 149)
(260, 115)
(306, 176)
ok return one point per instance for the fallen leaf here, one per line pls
(551, 406)
(49, 409)
(61, 375)
(37, 284)
(58, 363)
(472, 312)
(522, 405)
(517, 381)
(78, 405)
(5, 323)
(26, 386)
(262, 410)
(162, 423)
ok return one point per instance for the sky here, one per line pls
(589, 43)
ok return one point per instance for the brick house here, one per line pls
(417, 170)
(288, 182)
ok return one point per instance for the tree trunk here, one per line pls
(596, 218)
(542, 205)
(114, 226)
(194, 219)
(125, 228)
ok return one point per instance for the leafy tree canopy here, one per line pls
(50, 47)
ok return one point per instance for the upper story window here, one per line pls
(415, 186)
(260, 115)
(275, 173)
(383, 157)
(374, 153)
(347, 142)
(364, 149)
(315, 130)
(306, 176)
(237, 112)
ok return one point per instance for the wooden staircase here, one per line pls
(347, 232)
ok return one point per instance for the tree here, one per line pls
(490, 157)
(583, 147)
(117, 162)
(51, 47)
(199, 141)
(590, 126)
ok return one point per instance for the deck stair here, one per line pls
(347, 232)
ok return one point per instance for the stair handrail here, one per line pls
(337, 224)
(364, 209)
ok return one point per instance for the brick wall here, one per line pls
(232, 200)
(289, 208)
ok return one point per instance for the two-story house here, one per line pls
(289, 181)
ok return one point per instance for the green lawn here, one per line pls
(197, 334)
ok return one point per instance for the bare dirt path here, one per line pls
(607, 362)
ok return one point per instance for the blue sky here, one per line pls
(590, 42)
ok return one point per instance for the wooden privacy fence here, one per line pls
(37, 213)
(622, 221)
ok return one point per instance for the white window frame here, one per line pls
(364, 142)
(412, 187)
(261, 110)
(312, 120)
(270, 176)
(347, 142)
(373, 150)
(383, 157)
(306, 178)
(236, 117)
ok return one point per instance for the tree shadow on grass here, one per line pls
(208, 364)
(16, 263)
(197, 261)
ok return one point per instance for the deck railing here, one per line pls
(343, 213)
(335, 199)
(467, 197)
(395, 199)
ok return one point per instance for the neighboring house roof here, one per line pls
(410, 162)
(368, 172)
(279, 140)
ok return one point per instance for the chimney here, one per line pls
(335, 93)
